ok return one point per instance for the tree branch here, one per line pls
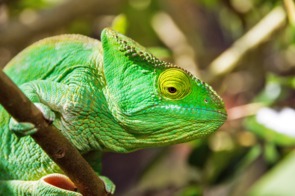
(16, 31)
(58, 148)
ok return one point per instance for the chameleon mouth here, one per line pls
(60, 181)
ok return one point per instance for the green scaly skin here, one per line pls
(111, 95)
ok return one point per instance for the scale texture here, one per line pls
(111, 95)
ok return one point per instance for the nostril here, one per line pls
(205, 100)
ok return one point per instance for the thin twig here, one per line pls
(58, 148)
(46, 20)
(176, 41)
(290, 9)
(228, 60)
(244, 111)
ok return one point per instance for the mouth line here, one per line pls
(176, 107)
(188, 109)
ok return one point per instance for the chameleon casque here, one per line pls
(111, 95)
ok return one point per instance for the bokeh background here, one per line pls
(244, 49)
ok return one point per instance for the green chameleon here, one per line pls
(111, 95)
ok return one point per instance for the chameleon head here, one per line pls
(155, 102)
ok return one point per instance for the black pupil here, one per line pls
(172, 90)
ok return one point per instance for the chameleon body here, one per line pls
(111, 95)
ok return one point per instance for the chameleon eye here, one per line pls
(174, 84)
(172, 89)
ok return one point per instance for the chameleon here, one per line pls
(108, 95)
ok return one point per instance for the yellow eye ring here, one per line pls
(174, 84)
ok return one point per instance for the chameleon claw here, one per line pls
(109, 185)
(26, 128)
(48, 114)
(22, 128)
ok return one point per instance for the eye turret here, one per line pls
(174, 84)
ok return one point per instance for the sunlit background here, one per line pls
(244, 49)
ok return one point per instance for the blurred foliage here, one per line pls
(253, 153)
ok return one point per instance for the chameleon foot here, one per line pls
(27, 128)
(108, 184)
